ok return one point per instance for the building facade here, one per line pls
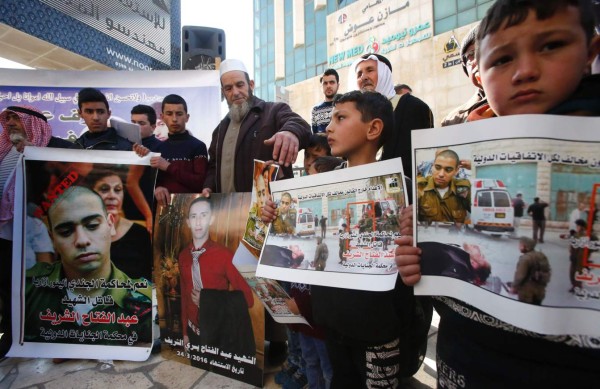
(296, 40)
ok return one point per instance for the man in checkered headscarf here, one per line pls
(22, 126)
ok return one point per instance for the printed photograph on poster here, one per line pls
(509, 223)
(256, 230)
(275, 299)
(337, 228)
(83, 255)
(208, 315)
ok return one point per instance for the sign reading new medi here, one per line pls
(522, 179)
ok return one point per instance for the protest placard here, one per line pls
(350, 245)
(507, 219)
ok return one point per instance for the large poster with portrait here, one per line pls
(209, 316)
(82, 259)
(337, 228)
(507, 219)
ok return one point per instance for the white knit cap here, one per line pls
(230, 65)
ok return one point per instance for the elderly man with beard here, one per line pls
(253, 129)
(22, 126)
(373, 72)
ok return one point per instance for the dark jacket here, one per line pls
(585, 101)
(61, 143)
(107, 140)
(151, 142)
(263, 121)
(411, 113)
(459, 114)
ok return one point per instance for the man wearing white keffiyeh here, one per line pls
(373, 72)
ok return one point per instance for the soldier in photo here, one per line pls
(441, 196)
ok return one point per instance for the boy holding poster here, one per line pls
(533, 57)
(364, 329)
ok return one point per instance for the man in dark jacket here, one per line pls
(94, 110)
(253, 129)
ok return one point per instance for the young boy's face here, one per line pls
(346, 132)
(534, 66)
(312, 153)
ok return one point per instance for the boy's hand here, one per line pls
(408, 260)
(285, 147)
(269, 212)
(162, 195)
(160, 163)
(408, 257)
(206, 192)
(406, 221)
(140, 150)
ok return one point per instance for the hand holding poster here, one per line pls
(351, 244)
(508, 222)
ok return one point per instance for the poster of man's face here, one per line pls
(84, 282)
(201, 292)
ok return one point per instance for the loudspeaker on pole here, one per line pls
(202, 47)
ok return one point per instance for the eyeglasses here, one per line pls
(469, 57)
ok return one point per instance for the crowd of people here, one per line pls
(525, 57)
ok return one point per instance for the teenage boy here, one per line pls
(363, 328)
(145, 117)
(532, 57)
(94, 110)
(183, 161)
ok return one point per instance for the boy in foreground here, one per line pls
(363, 329)
(533, 58)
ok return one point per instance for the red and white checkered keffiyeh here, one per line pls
(38, 132)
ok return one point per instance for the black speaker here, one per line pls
(200, 47)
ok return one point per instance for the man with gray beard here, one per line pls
(253, 129)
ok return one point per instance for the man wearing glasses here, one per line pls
(469, 64)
